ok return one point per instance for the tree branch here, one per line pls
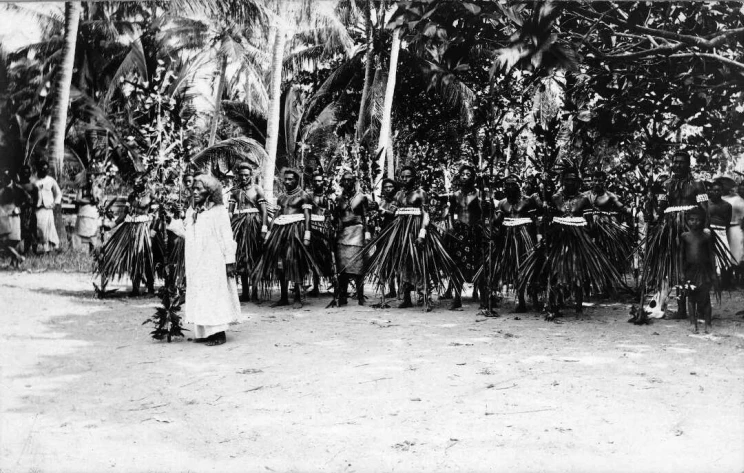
(715, 57)
(661, 50)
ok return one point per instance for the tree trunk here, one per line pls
(64, 83)
(275, 89)
(59, 114)
(387, 108)
(369, 73)
(218, 101)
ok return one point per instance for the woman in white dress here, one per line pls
(212, 295)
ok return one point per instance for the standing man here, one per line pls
(385, 216)
(249, 225)
(515, 236)
(88, 222)
(662, 264)
(49, 196)
(719, 216)
(288, 254)
(410, 247)
(464, 240)
(736, 227)
(321, 212)
(29, 196)
(10, 218)
(350, 212)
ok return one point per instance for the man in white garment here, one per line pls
(735, 232)
(49, 196)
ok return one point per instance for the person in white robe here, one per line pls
(49, 196)
(735, 230)
(212, 294)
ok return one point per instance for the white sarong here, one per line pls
(46, 232)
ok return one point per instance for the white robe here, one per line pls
(735, 233)
(211, 297)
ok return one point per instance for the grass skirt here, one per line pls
(128, 252)
(464, 245)
(246, 228)
(613, 238)
(566, 258)
(286, 255)
(512, 245)
(394, 252)
(177, 257)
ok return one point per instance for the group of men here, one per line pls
(27, 211)
(553, 246)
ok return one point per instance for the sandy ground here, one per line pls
(84, 389)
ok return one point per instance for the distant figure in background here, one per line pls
(10, 218)
(212, 295)
(28, 195)
(88, 221)
(735, 230)
(49, 196)
(719, 216)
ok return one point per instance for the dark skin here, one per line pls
(246, 195)
(412, 196)
(291, 205)
(29, 196)
(603, 200)
(321, 206)
(140, 203)
(465, 204)
(697, 250)
(515, 205)
(719, 211)
(387, 208)
(351, 208)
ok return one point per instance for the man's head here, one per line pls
(695, 218)
(188, 180)
(245, 174)
(207, 189)
(348, 182)
(140, 183)
(599, 179)
(570, 181)
(291, 179)
(42, 168)
(512, 186)
(681, 164)
(25, 173)
(389, 187)
(716, 191)
(318, 182)
(466, 175)
(408, 177)
(5, 178)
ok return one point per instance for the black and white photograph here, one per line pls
(370, 236)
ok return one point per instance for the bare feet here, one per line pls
(405, 304)
(520, 309)
(456, 304)
(297, 304)
(217, 339)
(280, 303)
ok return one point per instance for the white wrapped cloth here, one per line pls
(211, 297)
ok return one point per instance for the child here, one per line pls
(698, 262)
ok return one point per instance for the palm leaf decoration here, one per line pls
(225, 155)
(252, 122)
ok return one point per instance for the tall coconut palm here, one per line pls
(383, 142)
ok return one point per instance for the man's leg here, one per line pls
(407, 288)
(297, 304)
(359, 281)
(283, 293)
(457, 299)
(315, 291)
(245, 291)
(343, 289)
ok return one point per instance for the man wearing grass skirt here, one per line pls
(410, 247)
(661, 265)
(249, 225)
(291, 243)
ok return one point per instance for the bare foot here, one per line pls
(456, 304)
(280, 303)
(216, 339)
(520, 309)
(405, 304)
(297, 304)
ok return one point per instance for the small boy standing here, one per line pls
(698, 261)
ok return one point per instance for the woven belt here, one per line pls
(288, 219)
(570, 221)
(137, 218)
(718, 227)
(317, 218)
(681, 208)
(246, 211)
(515, 222)
(600, 212)
(408, 211)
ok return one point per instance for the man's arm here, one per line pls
(262, 207)
(56, 192)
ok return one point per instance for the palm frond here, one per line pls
(225, 155)
(134, 61)
(251, 121)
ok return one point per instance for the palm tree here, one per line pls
(383, 142)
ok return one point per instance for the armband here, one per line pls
(422, 233)
(701, 198)
(261, 201)
(367, 236)
(307, 235)
(307, 206)
(264, 228)
(662, 197)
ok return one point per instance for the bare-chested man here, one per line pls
(28, 208)
(284, 258)
(719, 217)
(249, 225)
(515, 235)
(464, 241)
(350, 212)
(319, 220)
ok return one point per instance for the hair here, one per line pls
(348, 173)
(512, 177)
(470, 167)
(387, 180)
(683, 153)
(716, 183)
(600, 174)
(212, 185)
(41, 163)
(408, 167)
(696, 211)
(292, 171)
(569, 170)
(244, 165)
